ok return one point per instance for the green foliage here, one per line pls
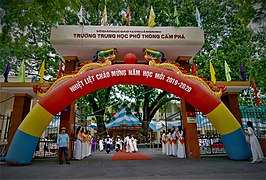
(26, 26)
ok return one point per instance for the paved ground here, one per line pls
(100, 166)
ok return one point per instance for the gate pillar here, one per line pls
(230, 100)
(67, 117)
(190, 128)
(21, 107)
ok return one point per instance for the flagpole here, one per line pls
(253, 109)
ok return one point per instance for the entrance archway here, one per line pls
(26, 138)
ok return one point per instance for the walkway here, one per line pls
(100, 166)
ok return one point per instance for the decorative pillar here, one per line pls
(188, 113)
(190, 130)
(21, 107)
(67, 117)
(231, 102)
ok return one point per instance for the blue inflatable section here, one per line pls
(21, 149)
(236, 145)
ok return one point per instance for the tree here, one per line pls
(26, 30)
(25, 34)
(148, 99)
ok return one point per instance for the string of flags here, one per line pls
(151, 21)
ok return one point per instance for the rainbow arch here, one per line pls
(26, 137)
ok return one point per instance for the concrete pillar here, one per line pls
(231, 102)
(187, 110)
(190, 130)
(21, 107)
(67, 117)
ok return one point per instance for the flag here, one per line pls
(213, 78)
(80, 15)
(227, 71)
(6, 72)
(42, 71)
(176, 17)
(255, 91)
(128, 16)
(21, 74)
(198, 18)
(104, 18)
(151, 18)
(60, 74)
(243, 75)
(194, 68)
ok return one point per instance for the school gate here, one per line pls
(164, 76)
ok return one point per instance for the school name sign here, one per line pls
(128, 34)
(84, 41)
(67, 34)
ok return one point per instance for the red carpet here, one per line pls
(121, 156)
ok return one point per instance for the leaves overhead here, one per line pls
(229, 36)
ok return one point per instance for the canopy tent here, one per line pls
(159, 125)
(124, 117)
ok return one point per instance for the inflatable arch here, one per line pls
(26, 137)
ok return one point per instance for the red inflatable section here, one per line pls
(193, 92)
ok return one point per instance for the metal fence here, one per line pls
(4, 132)
(257, 116)
(46, 146)
(209, 139)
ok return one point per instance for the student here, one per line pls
(63, 144)
(257, 155)
(168, 143)
(101, 144)
(108, 142)
(163, 142)
(174, 142)
(78, 149)
(181, 152)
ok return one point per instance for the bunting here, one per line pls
(7, 72)
(194, 68)
(42, 71)
(21, 74)
(213, 78)
(151, 18)
(176, 17)
(104, 18)
(128, 17)
(227, 71)
(255, 91)
(198, 18)
(243, 75)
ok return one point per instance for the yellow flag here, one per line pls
(42, 71)
(104, 18)
(151, 18)
(213, 78)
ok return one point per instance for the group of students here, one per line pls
(129, 144)
(173, 143)
(83, 144)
